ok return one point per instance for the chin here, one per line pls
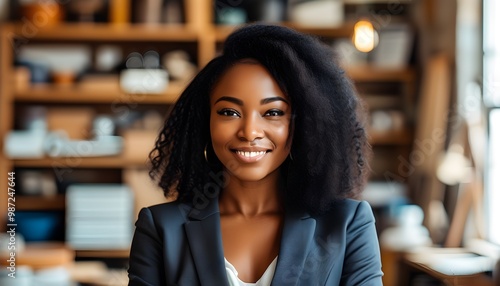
(248, 175)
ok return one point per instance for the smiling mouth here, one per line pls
(247, 156)
(250, 154)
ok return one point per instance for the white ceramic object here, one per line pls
(59, 58)
(58, 145)
(409, 233)
(144, 81)
(24, 144)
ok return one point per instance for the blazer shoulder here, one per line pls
(349, 207)
(170, 212)
(347, 210)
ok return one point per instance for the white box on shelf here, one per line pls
(144, 81)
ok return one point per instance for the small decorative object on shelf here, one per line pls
(85, 10)
(409, 233)
(178, 65)
(4, 10)
(395, 46)
(311, 13)
(58, 145)
(41, 13)
(143, 74)
(271, 11)
(148, 11)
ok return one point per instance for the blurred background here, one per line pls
(86, 84)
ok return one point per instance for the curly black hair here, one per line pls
(330, 150)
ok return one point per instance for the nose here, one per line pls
(252, 128)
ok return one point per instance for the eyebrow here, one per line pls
(240, 102)
(273, 99)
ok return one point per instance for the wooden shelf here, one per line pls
(436, 263)
(368, 73)
(39, 255)
(80, 162)
(107, 32)
(376, 2)
(344, 31)
(382, 101)
(223, 31)
(105, 253)
(40, 202)
(43, 254)
(391, 137)
(88, 93)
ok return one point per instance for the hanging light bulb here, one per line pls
(365, 37)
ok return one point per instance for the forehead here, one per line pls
(246, 78)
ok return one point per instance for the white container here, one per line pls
(24, 144)
(318, 13)
(144, 81)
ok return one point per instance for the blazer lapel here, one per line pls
(296, 240)
(205, 240)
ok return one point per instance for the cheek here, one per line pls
(218, 137)
(219, 133)
(280, 135)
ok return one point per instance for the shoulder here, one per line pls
(348, 208)
(171, 208)
(160, 215)
(347, 213)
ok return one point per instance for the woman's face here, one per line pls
(249, 122)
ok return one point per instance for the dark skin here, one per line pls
(249, 125)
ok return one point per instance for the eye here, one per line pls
(228, 112)
(274, 112)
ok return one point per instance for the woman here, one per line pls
(263, 153)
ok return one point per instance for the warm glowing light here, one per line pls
(365, 37)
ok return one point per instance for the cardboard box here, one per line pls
(76, 122)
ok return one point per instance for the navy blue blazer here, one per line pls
(177, 245)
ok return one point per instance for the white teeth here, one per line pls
(251, 154)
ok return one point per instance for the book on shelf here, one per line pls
(99, 216)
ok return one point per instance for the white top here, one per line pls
(265, 280)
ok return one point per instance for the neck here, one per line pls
(251, 198)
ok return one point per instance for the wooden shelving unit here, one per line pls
(110, 33)
(198, 31)
(377, 74)
(40, 203)
(344, 31)
(49, 93)
(393, 137)
(118, 253)
(80, 162)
